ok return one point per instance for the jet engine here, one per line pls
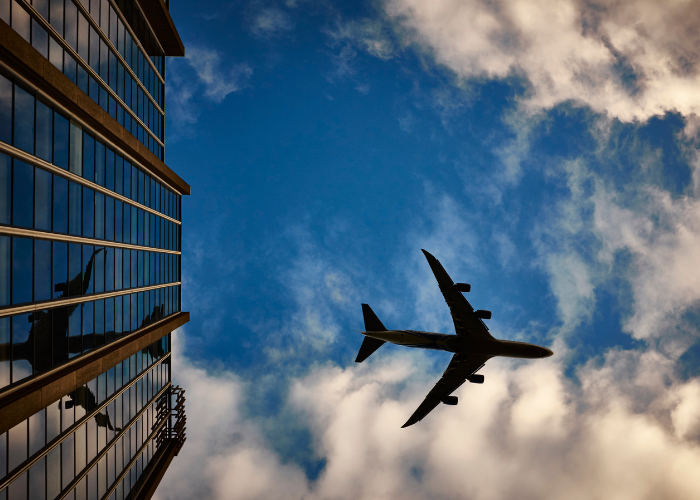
(450, 400)
(463, 287)
(483, 314)
(476, 379)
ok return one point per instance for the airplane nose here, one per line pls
(546, 352)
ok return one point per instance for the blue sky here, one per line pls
(546, 155)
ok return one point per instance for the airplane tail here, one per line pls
(372, 324)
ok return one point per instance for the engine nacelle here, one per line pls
(476, 379)
(450, 400)
(483, 314)
(463, 287)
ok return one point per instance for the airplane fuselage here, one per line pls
(461, 344)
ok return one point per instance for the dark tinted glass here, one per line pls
(109, 218)
(24, 120)
(75, 207)
(127, 180)
(126, 268)
(88, 327)
(75, 273)
(127, 224)
(22, 350)
(88, 212)
(44, 131)
(75, 343)
(100, 164)
(118, 269)
(109, 168)
(99, 216)
(60, 204)
(118, 220)
(22, 253)
(5, 271)
(60, 333)
(61, 136)
(99, 270)
(109, 269)
(88, 157)
(5, 189)
(23, 190)
(60, 269)
(71, 24)
(42, 270)
(42, 199)
(118, 174)
(5, 110)
(40, 39)
(88, 269)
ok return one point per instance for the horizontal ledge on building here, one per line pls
(158, 16)
(44, 235)
(24, 60)
(52, 304)
(25, 399)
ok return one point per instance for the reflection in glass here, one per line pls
(88, 212)
(42, 199)
(22, 253)
(23, 190)
(44, 131)
(22, 351)
(88, 326)
(74, 208)
(5, 189)
(99, 216)
(5, 357)
(109, 218)
(109, 269)
(5, 110)
(75, 344)
(42, 270)
(60, 204)
(60, 141)
(5, 269)
(24, 120)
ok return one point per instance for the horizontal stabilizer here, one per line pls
(369, 345)
(372, 323)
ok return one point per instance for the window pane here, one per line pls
(99, 216)
(60, 140)
(88, 327)
(42, 339)
(60, 269)
(22, 252)
(100, 164)
(5, 272)
(88, 157)
(109, 162)
(44, 131)
(75, 208)
(127, 180)
(40, 39)
(118, 220)
(71, 34)
(5, 189)
(76, 149)
(88, 268)
(118, 269)
(75, 270)
(23, 190)
(109, 269)
(24, 120)
(20, 20)
(109, 218)
(126, 266)
(5, 110)
(127, 224)
(42, 199)
(60, 204)
(83, 30)
(42, 270)
(88, 212)
(56, 15)
(99, 270)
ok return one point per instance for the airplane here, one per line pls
(86, 399)
(472, 345)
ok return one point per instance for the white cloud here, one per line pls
(218, 82)
(630, 59)
(270, 21)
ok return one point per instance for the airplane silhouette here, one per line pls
(472, 345)
(38, 348)
(85, 398)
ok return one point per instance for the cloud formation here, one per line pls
(631, 59)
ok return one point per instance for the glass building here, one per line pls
(90, 257)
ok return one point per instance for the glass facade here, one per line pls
(96, 441)
(89, 42)
(89, 256)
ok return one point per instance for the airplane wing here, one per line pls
(466, 321)
(461, 367)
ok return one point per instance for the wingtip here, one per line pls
(409, 423)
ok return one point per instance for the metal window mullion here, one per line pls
(66, 47)
(22, 468)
